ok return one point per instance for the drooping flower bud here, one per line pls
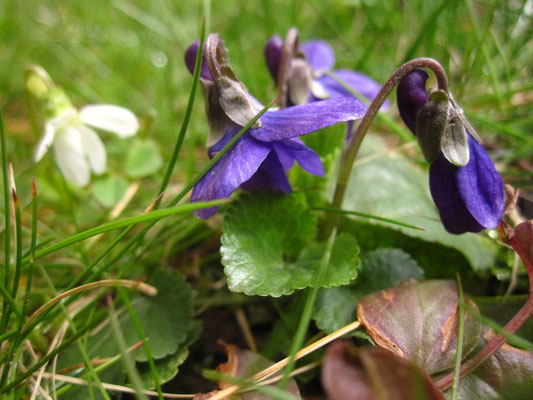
(225, 95)
(464, 183)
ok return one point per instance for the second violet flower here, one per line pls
(260, 158)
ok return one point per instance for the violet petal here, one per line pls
(236, 166)
(190, 61)
(306, 118)
(270, 175)
(295, 149)
(481, 187)
(361, 83)
(273, 50)
(411, 95)
(319, 55)
(469, 198)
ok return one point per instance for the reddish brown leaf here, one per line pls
(501, 376)
(419, 321)
(373, 374)
(522, 242)
(244, 364)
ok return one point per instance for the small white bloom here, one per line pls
(78, 149)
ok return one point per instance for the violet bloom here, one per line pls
(302, 72)
(469, 194)
(262, 156)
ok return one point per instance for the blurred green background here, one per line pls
(130, 53)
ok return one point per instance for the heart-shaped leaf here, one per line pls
(419, 321)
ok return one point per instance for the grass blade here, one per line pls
(460, 334)
(367, 216)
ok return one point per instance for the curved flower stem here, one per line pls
(492, 346)
(355, 139)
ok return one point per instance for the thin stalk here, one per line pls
(367, 216)
(355, 139)
(460, 334)
(308, 309)
(267, 372)
(188, 111)
(16, 280)
(145, 344)
(125, 222)
(520, 318)
(7, 227)
(141, 286)
(126, 359)
(49, 356)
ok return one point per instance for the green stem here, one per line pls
(308, 309)
(188, 112)
(355, 139)
(7, 224)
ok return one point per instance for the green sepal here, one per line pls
(466, 122)
(431, 123)
(454, 143)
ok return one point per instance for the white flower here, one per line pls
(78, 149)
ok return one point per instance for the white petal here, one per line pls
(111, 118)
(70, 156)
(45, 142)
(93, 148)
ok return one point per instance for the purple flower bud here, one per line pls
(411, 95)
(470, 198)
(273, 50)
(190, 61)
(320, 59)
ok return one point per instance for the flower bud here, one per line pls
(430, 124)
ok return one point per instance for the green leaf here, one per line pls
(419, 321)
(167, 367)
(263, 237)
(380, 269)
(144, 159)
(108, 191)
(392, 187)
(166, 320)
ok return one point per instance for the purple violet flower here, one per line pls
(469, 195)
(262, 156)
(302, 72)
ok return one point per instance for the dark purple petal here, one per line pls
(238, 165)
(411, 95)
(481, 187)
(306, 118)
(469, 198)
(273, 50)
(295, 149)
(190, 60)
(270, 175)
(319, 55)
(361, 83)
